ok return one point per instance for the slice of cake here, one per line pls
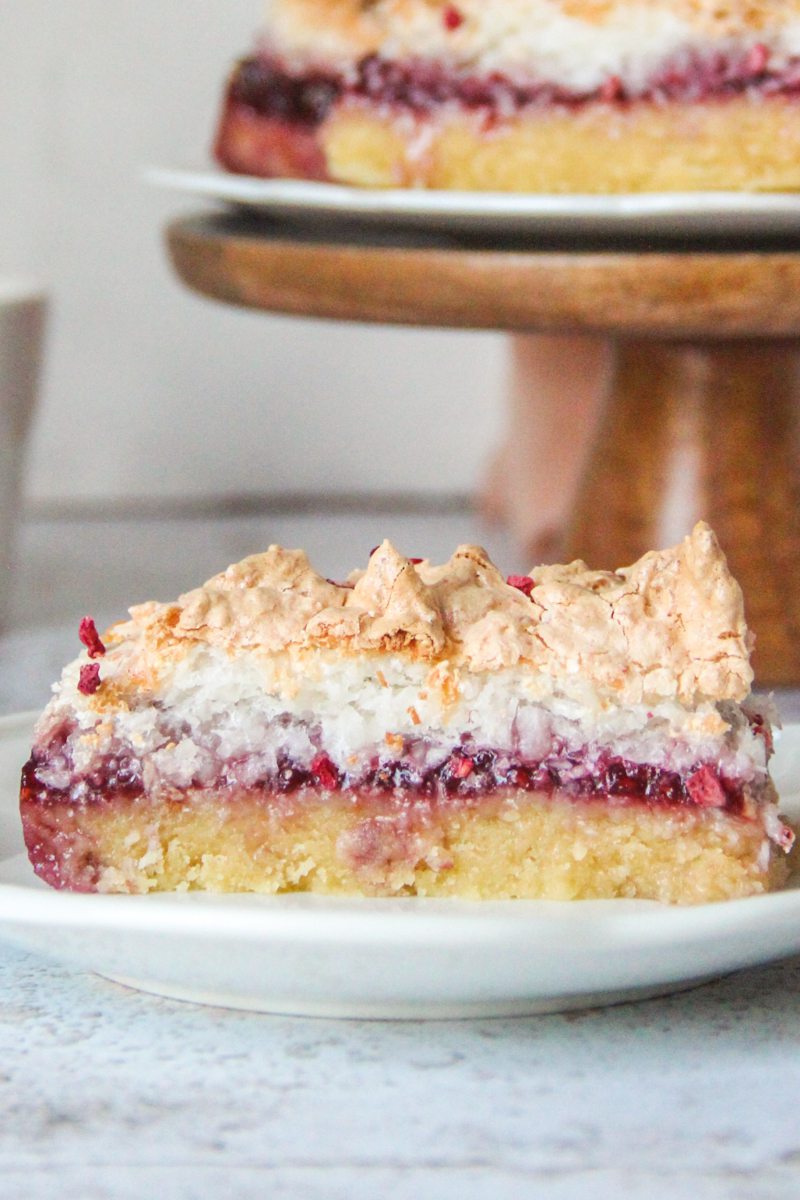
(521, 95)
(419, 729)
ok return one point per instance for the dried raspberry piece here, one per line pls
(89, 680)
(786, 837)
(705, 789)
(461, 766)
(612, 89)
(87, 632)
(452, 17)
(325, 772)
(756, 61)
(523, 583)
(761, 729)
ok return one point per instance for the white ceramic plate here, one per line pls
(388, 958)
(674, 214)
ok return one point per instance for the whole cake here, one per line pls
(417, 729)
(521, 95)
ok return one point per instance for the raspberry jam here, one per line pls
(268, 87)
(261, 84)
(467, 774)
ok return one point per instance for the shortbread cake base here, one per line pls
(731, 143)
(521, 846)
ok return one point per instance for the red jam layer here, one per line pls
(469, 774)
(266, 86)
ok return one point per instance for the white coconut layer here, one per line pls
(252, 712)
(529, 39)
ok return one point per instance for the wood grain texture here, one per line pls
(707, 430)
(703, 416)
(450, 282)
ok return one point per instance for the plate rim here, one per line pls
(397, 203)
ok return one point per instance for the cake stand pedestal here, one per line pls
(702, 418)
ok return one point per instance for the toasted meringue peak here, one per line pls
(669, 627)
(266, 600)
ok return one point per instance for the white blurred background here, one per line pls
(151, 392)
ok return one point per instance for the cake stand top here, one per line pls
(344, 271)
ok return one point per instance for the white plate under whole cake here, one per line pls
(318, 956)
(663, 215)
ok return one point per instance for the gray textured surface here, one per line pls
(109, 1093)
(105, 1093)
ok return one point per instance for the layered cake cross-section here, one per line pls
(552, 96)
(416, 729)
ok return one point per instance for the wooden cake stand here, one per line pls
(703, 413)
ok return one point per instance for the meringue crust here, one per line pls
(365, 26)
(671, 626)
(497, 33)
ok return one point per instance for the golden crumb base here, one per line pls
(529, 845)
(732, 144)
